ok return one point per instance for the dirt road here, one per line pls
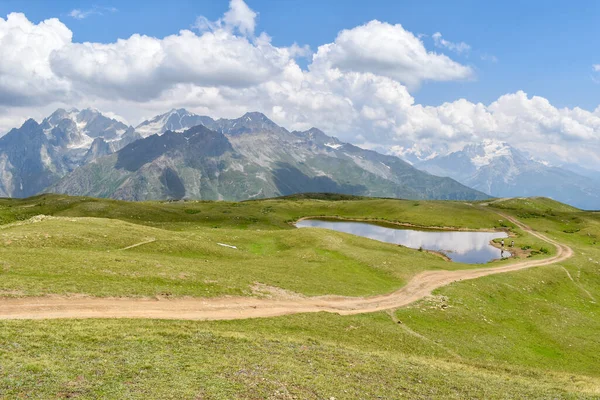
(227, 308)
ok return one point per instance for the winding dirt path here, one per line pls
(228, 308)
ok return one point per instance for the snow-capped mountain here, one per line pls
(85, 151)
(182, 119)
(174, 120)
(496, 168)
(248, 157)
(415, 153)
(35, 156)
(78, 129)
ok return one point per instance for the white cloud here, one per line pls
(142, 67)
(489, 57)
(529, 123)
(460, 47)
(388, 50)
(82, 14)
(297, 51)
(595, 76)
(241, 16)
(357, 87)
(25, 74)
(78, 14)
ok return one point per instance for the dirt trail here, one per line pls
(139, 244)
(228, 308)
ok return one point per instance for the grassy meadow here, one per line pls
(526, 334)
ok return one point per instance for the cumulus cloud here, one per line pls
(388, 50)
(459, 47)
(529, 123)
(239, 17)
(357, 87)
(142, 67)
(225, 53)
(26, 77)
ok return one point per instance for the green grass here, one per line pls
(86, 256)
(526, 334)
(83, 249)
(316, 356)
(261, 214)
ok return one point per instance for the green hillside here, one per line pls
(525, 334)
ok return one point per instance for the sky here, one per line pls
(401, 77)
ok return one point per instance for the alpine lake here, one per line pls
(470, 247)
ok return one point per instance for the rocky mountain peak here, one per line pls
(30, 124)
(491, 150)
(86, 115)
(318, 137)
(256, 117)
(250, 122)
(185, 155)
(173, 120)
(495, 167)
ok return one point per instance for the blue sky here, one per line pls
(411, 78)
(542, 48)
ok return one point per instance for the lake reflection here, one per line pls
(460, 246)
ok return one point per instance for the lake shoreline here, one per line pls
(453, 245)
(384, 222)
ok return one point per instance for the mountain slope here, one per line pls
(250, 157)
(174, 120)
(198, 163)
(35, 156)
(579, 170)
(502, 171)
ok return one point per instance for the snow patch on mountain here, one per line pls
(84, 143)
(157, 124)
(88, 124)
(175, 120)
(545, 163)
(414, 153)
(45, 157)
(500, 170)
(490, 150)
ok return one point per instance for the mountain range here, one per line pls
(181, 155)
(244, 158)
(37, 155)
(498, 169)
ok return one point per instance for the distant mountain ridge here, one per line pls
(496, 168)
(174, 120)
(256, 158)
(35, 156)
(83, 152)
